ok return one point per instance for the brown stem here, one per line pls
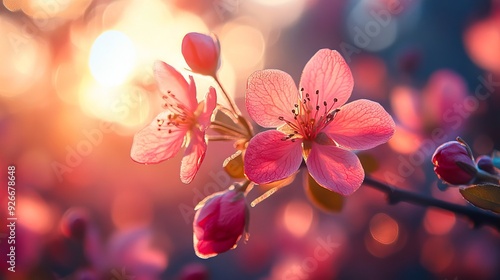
(234, 109)
(221, 138)
(225, 128)
(395, 195)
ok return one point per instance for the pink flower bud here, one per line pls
(485, 163)
(220, 223)
(453, 164)
(201, 52)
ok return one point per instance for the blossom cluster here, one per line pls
(313, 123)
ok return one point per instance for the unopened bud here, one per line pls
(453, 163)
(485, 163)
(219, 223)
(202, 53)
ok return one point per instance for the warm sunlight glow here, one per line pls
(13, 5)
(272, 14)
(112, 58)
(24, 59)
(35, 214)
(130, 209)
(405, 104)
(274, 3)
(405, 141)
(244, 39)
(298, 218)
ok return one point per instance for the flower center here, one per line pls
(179, 118)
(309, 119)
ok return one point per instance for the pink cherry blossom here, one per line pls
(183, 122)
(313, 123)
(220, 223)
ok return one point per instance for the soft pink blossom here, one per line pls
(183, 122)
(313, 123)
(220, 223)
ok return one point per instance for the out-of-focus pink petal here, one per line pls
(444, 90)
(361, 125)
(268, 158)
(151, 145)
(208, 108)
(482, 42)
(270, 94)
(170, 80)
(193, 156)
(335, 169)
(328, 73)
(406, 106)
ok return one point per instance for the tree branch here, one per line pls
(395, 195)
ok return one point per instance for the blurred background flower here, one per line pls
(77, 84)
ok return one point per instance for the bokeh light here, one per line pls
(112, 58)
(298, 217)
(25, 57)
(482, 40)
(36, 214)
(439, 222)
(384, 229)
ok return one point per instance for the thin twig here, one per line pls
(234, 109)
(395, 195)
(221, 138)
(223, 126)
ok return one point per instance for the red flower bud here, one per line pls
(201, 52)
(220, 223)
(453, 164)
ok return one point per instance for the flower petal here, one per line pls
(268, 158)
(170, 80)
(361, 125)
(335, 169)
(208, 108)
(328, 73)
(210, 248)
(270, 94)
(193, 156)
(151, 145)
